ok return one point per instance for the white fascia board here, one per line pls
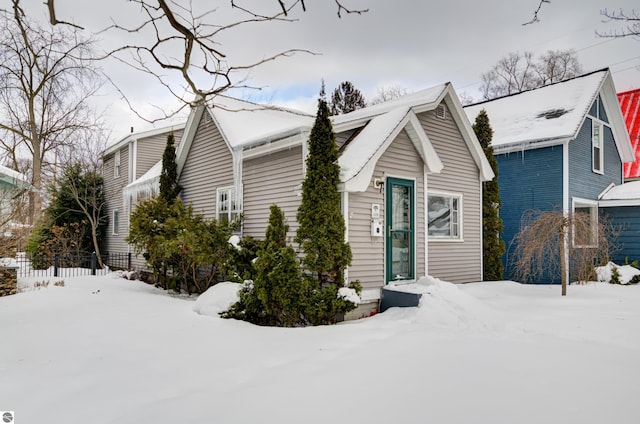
(423, 145)
(618, 202)
(606, 190)
(616, 120)
(277, 145)
(529, 145)
(187, 136)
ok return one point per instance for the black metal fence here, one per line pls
(71, 264)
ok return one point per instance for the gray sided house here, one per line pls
(558, 148)
(126, 161)
(411, 169)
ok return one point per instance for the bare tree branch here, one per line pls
(535, 13)
(519, 72)
(52, 16)
(631, 21)
(175, 41)
(45, 84)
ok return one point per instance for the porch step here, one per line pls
(390, 298)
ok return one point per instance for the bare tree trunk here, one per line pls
(563, 258)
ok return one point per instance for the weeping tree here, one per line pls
(492, 245)
(554, 244)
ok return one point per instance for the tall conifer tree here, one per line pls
(321, 231)
(169, 187)
(492, 245)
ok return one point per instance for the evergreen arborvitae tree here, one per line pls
(492, 245)
(278, 294)
(279, 284)
(322, 228)
(346, 98)
(169, 187)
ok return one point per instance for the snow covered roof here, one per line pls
(357, 162)
(244, 123)
(627, 194)
(630, 106)
(12, 177)
(552, 114)
(418, 101)
(253, 129)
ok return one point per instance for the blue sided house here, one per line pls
(621, 205)
(559, 147)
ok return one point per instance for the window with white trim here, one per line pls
(585, 227)
(116, 164)
(227, 206)
(115, 222)
(597, 149)
(444, 216)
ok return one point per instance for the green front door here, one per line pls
(400, 229)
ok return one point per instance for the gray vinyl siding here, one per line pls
(113, 190)
(274, 178)
(150, 150)
(368, 265)
(583, 182)
(455, 261)
(208, 166)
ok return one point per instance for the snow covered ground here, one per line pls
(108, 350)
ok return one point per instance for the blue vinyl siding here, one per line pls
(583, 182)
(529, 180)
(627, 220)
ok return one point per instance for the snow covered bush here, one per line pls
(280, 295)
(618, 274)
(185, 250)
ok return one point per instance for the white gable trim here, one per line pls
(616, 121)
(423, 145)
(419, 139)
(182, 151)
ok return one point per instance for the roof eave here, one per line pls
(143, 134)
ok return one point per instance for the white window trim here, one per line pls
(460, 198)
(116, 164)
(596, 122)
(115, 230)
(586, 203)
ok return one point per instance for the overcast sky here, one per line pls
(414, 44)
